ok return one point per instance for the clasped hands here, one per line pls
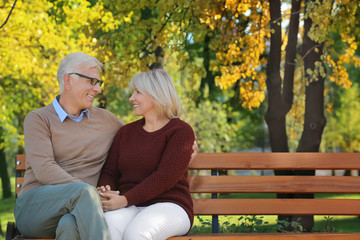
(111, 200)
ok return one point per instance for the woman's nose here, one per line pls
(131, 99)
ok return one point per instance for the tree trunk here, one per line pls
(314, 112)
(209, 79)
(275, 115)
(5, 180)
(280, 96)
(315, 121)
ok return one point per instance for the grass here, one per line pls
(322, 223)
(6, 209)
(340, 223)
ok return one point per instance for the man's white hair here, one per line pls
(74, 61)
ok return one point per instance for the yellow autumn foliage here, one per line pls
(32, 44)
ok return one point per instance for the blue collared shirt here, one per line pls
(62, 114)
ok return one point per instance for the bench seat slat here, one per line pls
(276, 161)
(266, 236)
(274, 184)
(271, 236)
(277, 206)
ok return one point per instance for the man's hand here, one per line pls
(111, 201)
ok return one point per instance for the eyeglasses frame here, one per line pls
(93, 81)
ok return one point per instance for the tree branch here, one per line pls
(288, 91)
(12, 8)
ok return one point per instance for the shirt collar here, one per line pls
(62, 114)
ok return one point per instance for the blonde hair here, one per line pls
(160, 87)
(74, 61)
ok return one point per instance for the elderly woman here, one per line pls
(146, 168)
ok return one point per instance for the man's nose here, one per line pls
(97, 88)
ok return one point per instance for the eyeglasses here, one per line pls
(93, 81)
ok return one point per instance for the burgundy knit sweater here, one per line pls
(151, 167)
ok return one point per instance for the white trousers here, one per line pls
(155, 222)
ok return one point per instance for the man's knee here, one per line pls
(87, 189)
(84, 190)
(81, 186)
(67, 227)
(83, 198)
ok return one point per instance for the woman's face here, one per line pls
(143, 104)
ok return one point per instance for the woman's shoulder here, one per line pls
(130, 127)
(181, 123)
(182, 126)
(134, 123)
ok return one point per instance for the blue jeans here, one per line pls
(66, 211)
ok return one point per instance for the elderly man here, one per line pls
(66, 144)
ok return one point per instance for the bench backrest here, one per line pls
(276, 184)
(267, 184)
(20, 170)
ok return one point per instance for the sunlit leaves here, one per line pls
(335, 17)
(243, 32)
(127, 34)
(344, 124)
(237, 33)
(33, 42)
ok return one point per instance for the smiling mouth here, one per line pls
(91, 96)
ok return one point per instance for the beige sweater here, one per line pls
(64, 152)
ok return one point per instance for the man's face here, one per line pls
(82, 91)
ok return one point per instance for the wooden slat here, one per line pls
(265, 161)
(276, 161)
(274, 184)
(270, 184)
(20, 162)
(262, 236)
(271, 236)
(19, 183)
(267, 236)
(277, 206)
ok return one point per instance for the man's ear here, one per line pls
(67, 81)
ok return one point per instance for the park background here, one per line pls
(252, 75)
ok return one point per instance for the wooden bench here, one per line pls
(216, 184)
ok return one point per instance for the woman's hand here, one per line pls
(107, 188)
(103, 189)
(195, 150)
(111, 200)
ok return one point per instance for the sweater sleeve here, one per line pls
(39, 152)
(173, 165)
(110, 173)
